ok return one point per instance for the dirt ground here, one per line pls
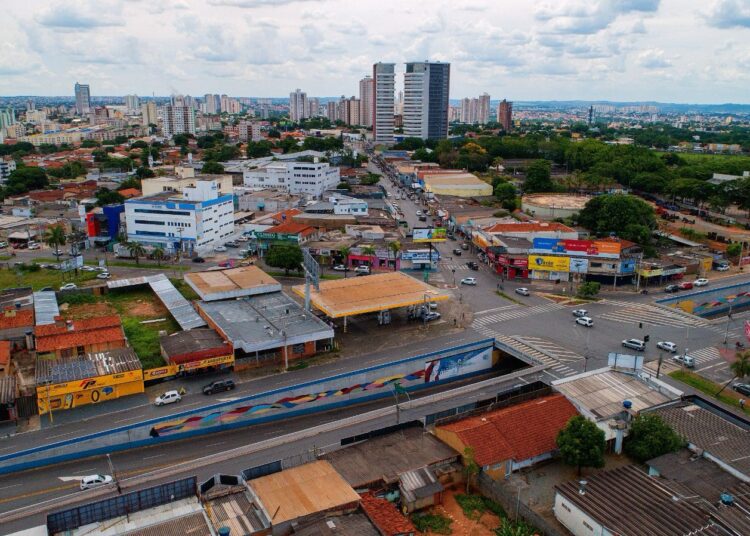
(147, 308)
(462, 525)
(87, 310)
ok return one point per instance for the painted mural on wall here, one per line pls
(458, 365)
(708, 307)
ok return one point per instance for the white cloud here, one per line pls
(79, 16)
(654, 59)
(729, 14)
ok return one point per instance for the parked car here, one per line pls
(429, 317)
(3, 245)
(722, 268)
(220, 249)
(472, 265)
(95, 481)
(635, 344)
(341, 268)
(69, 286)
(669, 289)
(103, 275)
(199, 259)
(362, 269)
(585, 321)
(170, 397)
(419, 213)
(667, 346)
(231, 244)
(469, 281)
(686, 285)
(742, 388)
(685, 360)
(702, 282)
(465, 246)
(457, 252)
(218, 386)
(580, 312)
(243, 238)
(34, 245)
(87, 268)
(523, 291)
(47, 289)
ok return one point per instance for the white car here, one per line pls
(220, 249)
(419, 213)
(86, 268)
(363, 269)
(170, 397)
(34, 245)
(95, 481)
(702, 282)
(469, 281)
(341, 268)
(667, 345)
(685, 360)
(523, 291)
(69, 286)
(243, 238)
(635, 344)
(722, 268)
(580, 312)
(103, 275)
(585, 321)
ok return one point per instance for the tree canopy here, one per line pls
(538, 177)
(286, 256)
(626, 216)
(650, 437)
(581, 443)
(212, 168)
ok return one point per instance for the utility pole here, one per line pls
(658, 368)
(729, 318)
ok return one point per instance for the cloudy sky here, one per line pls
(665, 50)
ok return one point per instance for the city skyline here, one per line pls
(634, 50)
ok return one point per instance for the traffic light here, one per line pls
(646, 338)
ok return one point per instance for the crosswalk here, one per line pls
(550, 348)
(513, 312)
(556, 368)
(630, 313)
(706, 356)
(452, 266)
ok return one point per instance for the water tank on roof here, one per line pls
(627, 404)
(727, 499)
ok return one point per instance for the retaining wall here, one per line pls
(711, 301)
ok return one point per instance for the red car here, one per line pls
(686, 285)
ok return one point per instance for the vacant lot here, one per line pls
(11, 277)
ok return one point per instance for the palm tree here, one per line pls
(370, 252)
(136, 250)
(345, 252)
(55, 237)
(394, 247)
(740, 368)
(158, 255)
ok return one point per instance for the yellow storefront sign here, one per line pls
(96, 382)
(210, 362)
(651, 272)
(160, 372)
(549, 264)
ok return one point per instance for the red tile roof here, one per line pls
(13, 319)
(59, 336)
(528, 227)
(130, 192)
(4, 353)
(285, 215)
(292, 228)
(517, 432)
(385, 516)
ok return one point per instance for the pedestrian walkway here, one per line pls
(556, 368)
(453, 266)
(513, 312)
(658, 316)
(552, 349)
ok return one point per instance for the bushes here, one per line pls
(434, 523)
(589, 289)
(476, 505)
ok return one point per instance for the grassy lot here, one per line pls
(186, 290)
(708, 387)
(37, 280)
(124, 264)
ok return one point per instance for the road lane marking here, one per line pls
(129, 418)
(215, 444)
(11, 486)
(154, 456)
(61, 435)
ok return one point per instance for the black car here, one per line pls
(457, 252)
(671, 289)
(742, 388)
(472, 265)
(218, 386)
(199, 259)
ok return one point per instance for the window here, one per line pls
(588, 526)
(565, 506)
(149, 222)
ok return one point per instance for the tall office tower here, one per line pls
(148, 113)
(384, 83)
(366, 91)
(505, 115)
(332, 109)
(83, 98)
(591, 115)
(178, 119)
(314, 105)
(30, 106)
(132, 104)
(298, 107)
(426, 97)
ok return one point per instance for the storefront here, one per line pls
(510, 266)
(420, 259)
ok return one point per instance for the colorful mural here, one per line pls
(706, 308)
(225, 417)
(458, 365)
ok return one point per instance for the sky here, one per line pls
(688, 51)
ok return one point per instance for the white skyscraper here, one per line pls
(178, 120)
(132, 104)
(299, 108)
(384, 84)
(366, 94)
(426, 98)
(148, 113)
(476, 110)
(83, 98)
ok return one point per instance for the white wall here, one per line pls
(575, 520)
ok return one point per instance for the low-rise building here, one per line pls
(248, 199)
(71, 338)
(300, 178)
(185, 177)
(6, 168)
(200, 349)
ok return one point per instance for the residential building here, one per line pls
(309, 178)
(72, 338)
(366, 96)
(249, 131)
(349, 110)
(149, 115)
(332, 111)
(178, 120)
(384, 84)
(7, 117)
(264, 200)
(230, 105)
(132, 104)
(83, 98)
(6, 168)
(314, 107)
(197, 220)
(340, 205)
(185, 177)
(426, 100)
(505, 115)
(476, 110)
(299, 108)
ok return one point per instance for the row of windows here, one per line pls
(165, 212)
(149, 222)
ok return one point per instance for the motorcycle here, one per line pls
(739, 345)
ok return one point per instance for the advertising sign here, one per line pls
(458, 365)
(545, 243)
(627, 266)
(210, 362)
(160, 372)
(429, 234)
(549, 264)
(603, 248)
(89, 383)
(579, 266)
(419, 255)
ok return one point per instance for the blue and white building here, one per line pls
(195, 221)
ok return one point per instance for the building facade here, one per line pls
(178, 120)
(299, 108)
(505, 115)
(476, 110)
(384, 84)
(149, 116)
(308, 178)
(249, 131)
(366, 95)
(83, 98)
(6, 168)
(132, 104)
(426, 100)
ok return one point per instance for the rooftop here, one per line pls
(356, 524)
(117, 361)
(65, 334)
(199, 343)
(377, 292)
(699, 474)
(518, 432)
(232, 283)
(302, 491)
(386, 516)
(575, 202)
(529, 228)
(292, 228)
(12, 318)
(386, 457)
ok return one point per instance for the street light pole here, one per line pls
(729, 317)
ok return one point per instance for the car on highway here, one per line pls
(469, 281)
(684, 360)
(742, 388)
(670, 289)
(95, 481)
(472, 265)
(667, 346)
(702, 282)
(218, 386)
(722, 268)
(362, 270)
(69, 286)
(341, 268)
(103, 275)
(523, 291)
(457, 252)
(585, 321)
(634, 344)
(220, 249)
(170, 397)
(199, 259)
(580, 312)
(686, 285)
(429, 317)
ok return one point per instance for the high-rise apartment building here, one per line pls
(476, 110)
(249, 131)
(384, 84)
(299, 108)
(314, 105)
(7, 117)
(348, 110)
(83, 98)
(426, 98)
(132, 104)
(332, 111)
(178, 120)
(505, 115)
(148, 113)
(366, 94)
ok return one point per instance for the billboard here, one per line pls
(429, 234)
(599, 248)
(549, 264)
(458, 365)
(578, 265)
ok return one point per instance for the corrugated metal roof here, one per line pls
(7, 389)
(45, 307)
(54, 371)
(194, 524)
(419, 484)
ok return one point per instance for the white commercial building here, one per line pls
(198, 220)
(6, 168)
(384, 85)
(178, 120)
(299, 178)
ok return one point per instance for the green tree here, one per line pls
(505, 192)
(627, 216)
(26, 178)
(136, 249)
(286, 256)
(345, 251)
(740, 368)
(259, 149)
(734, 250)
(589, 289)
(369, 250)
(105, 196)
(54, 237)
(212, 168)
(144, 173)
(394, 247)
(158, 255)
(538, 177)
(581, 443)
(650, 437)
(471, 467)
